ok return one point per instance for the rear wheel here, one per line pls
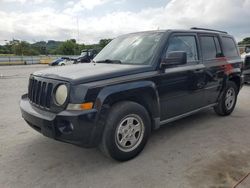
(228, 100)
(126, 132)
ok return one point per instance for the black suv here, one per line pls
(136, 84)
(86, 56)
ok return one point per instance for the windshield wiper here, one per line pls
(109, 61)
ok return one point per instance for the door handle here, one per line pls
(199, 71)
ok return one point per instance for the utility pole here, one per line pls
(77, 23)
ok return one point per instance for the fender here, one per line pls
(234, 75)
(144, 92)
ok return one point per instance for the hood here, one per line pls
(89, 72)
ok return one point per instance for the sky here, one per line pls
(88, 21)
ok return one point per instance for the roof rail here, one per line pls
(197, 28)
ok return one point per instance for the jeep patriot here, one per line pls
(136, 84)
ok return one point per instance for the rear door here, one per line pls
(214, 61)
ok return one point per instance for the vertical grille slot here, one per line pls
(34, 91)
(43, 94)
(48, 95)
(30, 88)
(38, 89)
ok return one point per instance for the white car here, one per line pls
(66, 62)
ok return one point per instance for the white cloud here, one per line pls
(230, 15)
(27, 1)
(84, 4)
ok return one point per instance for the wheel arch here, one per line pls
(236, 79)
(142, 92)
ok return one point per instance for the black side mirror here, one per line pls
(174, 58)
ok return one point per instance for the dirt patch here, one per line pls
(223, 172)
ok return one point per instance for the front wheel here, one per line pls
(126, 132)
(228, 100)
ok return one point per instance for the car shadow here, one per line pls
(44, 147)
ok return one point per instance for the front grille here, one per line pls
(40, 92)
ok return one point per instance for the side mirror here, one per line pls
(174, 58)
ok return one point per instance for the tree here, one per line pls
(40, 47)
(245, 41)
(68, 47)
(104, 42)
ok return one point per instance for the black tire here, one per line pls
(120, 113)
(222, 109)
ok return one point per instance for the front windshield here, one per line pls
(130, 49)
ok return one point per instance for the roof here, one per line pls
(194, 29)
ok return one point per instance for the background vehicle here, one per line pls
(69, 61)
(136, 84)
(86, 56)
(246, 58)
(57, 61)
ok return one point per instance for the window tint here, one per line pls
(186, 44)
(229, 47)
(208, 47)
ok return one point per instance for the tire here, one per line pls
(228, 100)
(62, 64)
(126, 132)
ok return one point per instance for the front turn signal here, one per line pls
(83, 106)
(86, 106)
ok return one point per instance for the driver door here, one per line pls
(181, 86)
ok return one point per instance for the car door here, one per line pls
(181, 87)
(214, 62)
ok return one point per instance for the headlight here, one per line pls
(61, 94)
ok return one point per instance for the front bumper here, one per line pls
(76, 127)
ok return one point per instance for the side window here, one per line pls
(186, 44)
(229, 47)
(209, 47)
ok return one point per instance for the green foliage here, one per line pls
(245, 41)
(69, 47)
(104, 42)
(5, 49)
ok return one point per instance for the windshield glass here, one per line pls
(130, 49)
(83, 54)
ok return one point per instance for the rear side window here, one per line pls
(210, 47)
(229, 47)
(186, 44)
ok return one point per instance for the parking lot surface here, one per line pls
(203, 150)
